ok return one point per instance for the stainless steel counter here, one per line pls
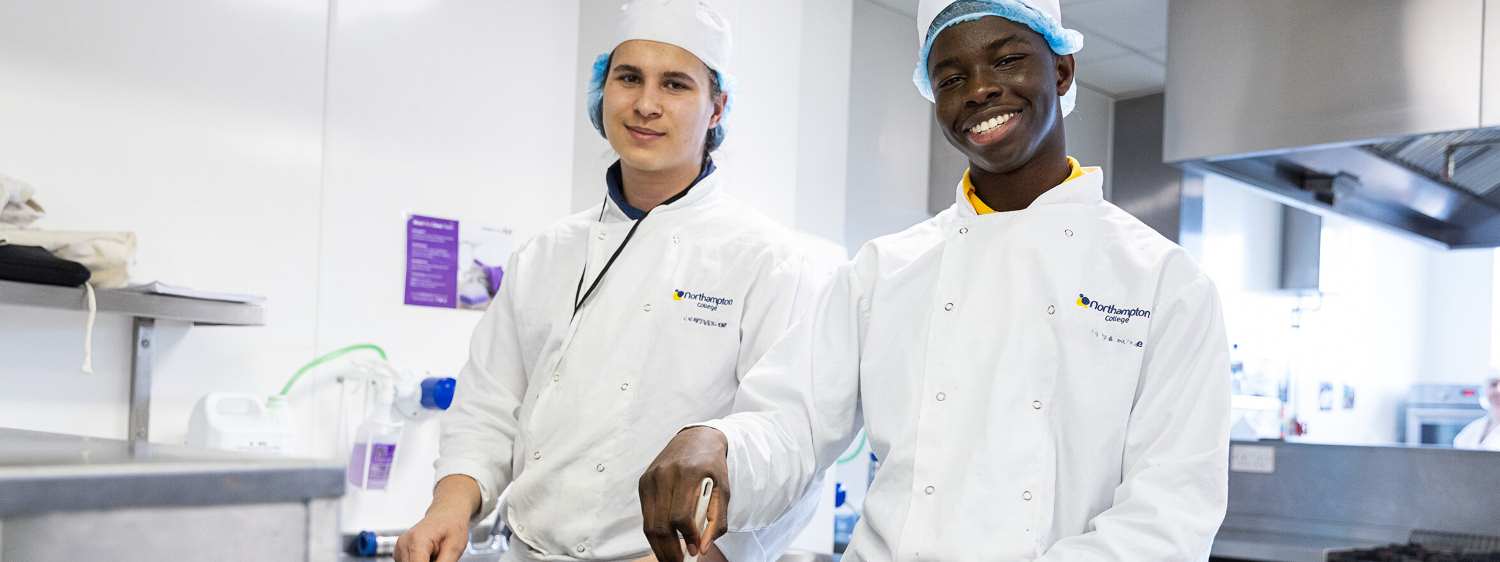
(48, 472)
(1281, 547)
(352, 558)
(141, 502)
(1315, 498)
(790, 556)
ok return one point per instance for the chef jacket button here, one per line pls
(676, 239)
(556, 376)
(599, 467)
(948, 306)
(536, 456)
(942, 396)
(1051, 309)
(581, 549)
(624, 386)
(520, 527)
(963, 230)
(601, 235)
(647, 307)
(1068, 232)
(1026, 495)
(1036, 404)
(930, 490)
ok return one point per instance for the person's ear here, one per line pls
(720, 102)
(1065, 70)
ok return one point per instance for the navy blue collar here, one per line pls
(617, 187)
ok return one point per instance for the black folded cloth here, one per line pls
(32, 264)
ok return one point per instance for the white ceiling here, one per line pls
(1125, 42)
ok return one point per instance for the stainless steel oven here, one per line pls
(1435, 413)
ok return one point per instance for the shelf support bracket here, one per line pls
(142, 359)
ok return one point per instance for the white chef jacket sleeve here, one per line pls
(797, 409)
(778, 300)
(479, 431)
(1175, 484)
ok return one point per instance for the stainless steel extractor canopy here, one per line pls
(1386, 111)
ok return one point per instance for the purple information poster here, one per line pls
(431, 261)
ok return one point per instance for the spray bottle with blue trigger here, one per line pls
(399, 397)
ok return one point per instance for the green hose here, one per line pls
(857, 450)
(335, 354)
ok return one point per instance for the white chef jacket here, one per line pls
(1482, 434)
(1045, 384)
(569, 413)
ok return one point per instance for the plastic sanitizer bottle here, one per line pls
(844, 520)
(374, 451)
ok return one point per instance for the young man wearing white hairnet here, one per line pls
(1042, 376)
(619, 325)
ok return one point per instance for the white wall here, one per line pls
(1368, 332)
(1091, 130)
(431, 111)
(197, 125)
(591, 153)
(1242, 253)
(203, 126)
(823, 115)
(888, 127)
(1460, 316)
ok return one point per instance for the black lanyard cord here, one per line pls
(579, 301)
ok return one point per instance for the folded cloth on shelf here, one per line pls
(33, 264)
(17, 208)
(107, 255)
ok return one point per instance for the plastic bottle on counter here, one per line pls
(374, 452)
(844, 520)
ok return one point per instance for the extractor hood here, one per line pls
(1387, 111)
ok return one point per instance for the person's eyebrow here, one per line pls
(993, 46)
(683, 76)
(626, 68)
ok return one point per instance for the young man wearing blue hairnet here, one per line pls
(619, 325)
(1042, 376)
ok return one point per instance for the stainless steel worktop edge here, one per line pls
(43, 472)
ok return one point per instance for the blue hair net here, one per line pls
(596, 100)
(1063, 41)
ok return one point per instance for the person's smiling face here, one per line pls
(657, 105)
(996, 84)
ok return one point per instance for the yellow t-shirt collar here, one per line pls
(983, 209)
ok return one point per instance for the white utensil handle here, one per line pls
(700, 517)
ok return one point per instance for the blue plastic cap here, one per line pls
(839, 495)
(437, 393)
(365, 544)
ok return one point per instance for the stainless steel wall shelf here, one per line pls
(144, 310)
(130, 303)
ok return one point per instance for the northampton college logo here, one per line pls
(1111, 312)
(704, 301)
